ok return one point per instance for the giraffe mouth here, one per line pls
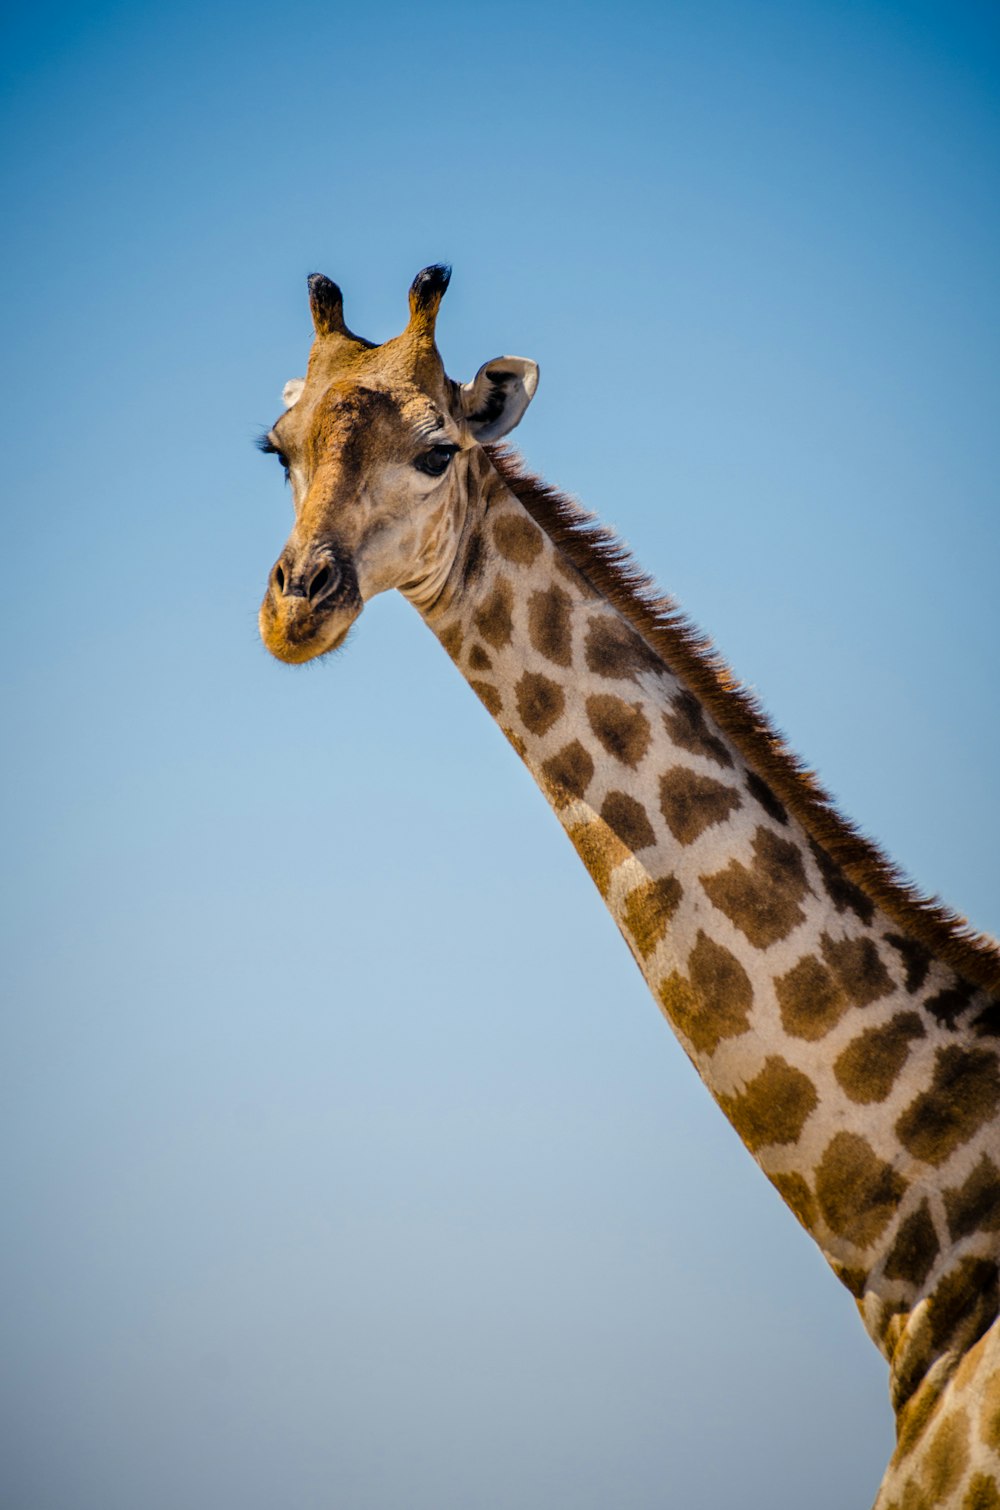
(301, 622)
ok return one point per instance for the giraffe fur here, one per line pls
(847, 1027)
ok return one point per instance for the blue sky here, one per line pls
(346, 1159)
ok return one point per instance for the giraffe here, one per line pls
(846, 1026)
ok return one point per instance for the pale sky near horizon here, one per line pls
(346, 1161)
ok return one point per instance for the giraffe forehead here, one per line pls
(362, 419)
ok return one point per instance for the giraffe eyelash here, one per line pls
(266, 444)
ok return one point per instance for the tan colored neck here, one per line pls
(828, 1035)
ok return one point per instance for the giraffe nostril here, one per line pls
(325, 579)
(279, 578)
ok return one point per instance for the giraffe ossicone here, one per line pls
(848, 1028)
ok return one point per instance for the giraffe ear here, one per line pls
(292, 391)
(495, 401)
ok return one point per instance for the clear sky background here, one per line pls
(346, 1161)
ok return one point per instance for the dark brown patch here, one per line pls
(964, 1093)
(615, 651)
(810, 999)
(762, 793)
(488, 696)
(773, 1107)
(539, 702)
(916, 959)
(687, 727)
(982, 1493)
(912, 1255)
(494, 618)
(987, 1022)
(975, 1205)
(842, 892)
(568, 773)
(600, 850)
(964, 1304)
(666, 638)
(516, 538)
(947, 1458)
(628, 819)
(691, 803)
(762, 901)
(858, 967)
(947, 1006)
(856, 1280)
(858, 1193)
(715, 1000)
(452, 639)
(622, 727)
(479, 660)
(647, 911)
(550, 625)
(868, 1067)
(472, 563)
(796, 1194)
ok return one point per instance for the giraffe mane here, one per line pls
(605, 561)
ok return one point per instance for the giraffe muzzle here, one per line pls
(310, 604)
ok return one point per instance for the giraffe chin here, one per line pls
(301, 636)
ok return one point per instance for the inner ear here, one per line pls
(292, 391)
(495, 401)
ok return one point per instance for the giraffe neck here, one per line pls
(857, 1065)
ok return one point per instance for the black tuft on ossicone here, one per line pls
(430, 284)
(326, 301)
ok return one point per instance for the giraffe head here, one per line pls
(376, 443)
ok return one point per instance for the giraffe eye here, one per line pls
(435, 462)
(266, 444)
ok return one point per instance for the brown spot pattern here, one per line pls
(600, 850)
(628, 819)
(687, 727)
(494, 619)
(964, 1304)
(842, 892)
(947, 1458)
(868, 1067)
(858, 1193)
(540, 702)
(974, 1206)
(856, 1280)
(550, 625)
(810, 999)
(964, 1093)
(982, 1493)
(715, 1000)
(762, 901)
(916, 959)
(858, 967)
(479, 660)
(488, 696)
(516, 538)
(648, 909)
(622, 728)
(691, 803)
(796, 1194)
(773, 1107)
(947, 1006)
(916, 1247)
(615, 651)
(451, 639)
(568, 773)
(761, 792)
